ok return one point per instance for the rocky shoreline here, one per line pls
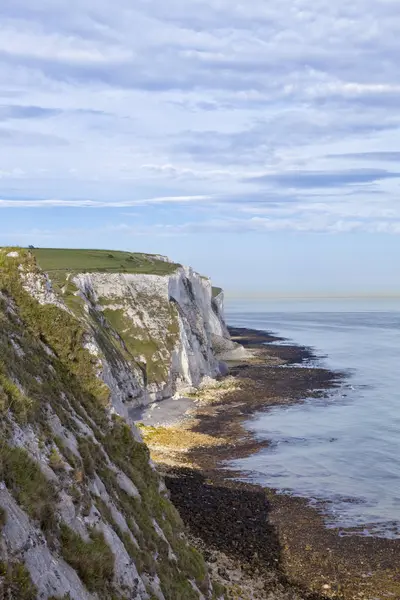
(261, 544)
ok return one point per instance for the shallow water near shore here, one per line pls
(344, 450)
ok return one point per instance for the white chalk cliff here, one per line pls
(167, 331)
(83, 514)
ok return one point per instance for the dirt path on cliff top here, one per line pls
(275, 546)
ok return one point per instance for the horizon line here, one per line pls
(314, 296)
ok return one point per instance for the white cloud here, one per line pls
(29, 43)
(175, 104)
(260, 225)
(13, 174)
(54, 202)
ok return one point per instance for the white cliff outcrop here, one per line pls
(83, 513)
(167, 332)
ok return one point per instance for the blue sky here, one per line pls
(258, 141)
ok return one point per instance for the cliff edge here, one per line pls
(84, 337)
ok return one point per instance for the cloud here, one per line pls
(150, 104)
(368, 156)
(9, 112)
(263, 225)
(18, 138)
(55, 202)
(265, 139)
(13, 174)
(325, 179)
(17, 111)
(241, 48)
(235, 216)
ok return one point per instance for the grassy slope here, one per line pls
(69, 389)
(216, 291)
(58, 259)
(61, 263)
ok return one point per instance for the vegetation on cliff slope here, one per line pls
(61, 447)
(124, 326)
(152, 348)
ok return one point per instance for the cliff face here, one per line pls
(155, 336)
(83, 514)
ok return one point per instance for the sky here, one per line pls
(257, 141)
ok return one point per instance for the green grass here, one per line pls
(130, 456)
(55, 461)
(15, 582)
(11, 396)
(138, 342)
(63, 333)
(112, 261)
(28, 485)
(216, 291)
(92, 560)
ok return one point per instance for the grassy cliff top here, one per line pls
(107, 261)
(216, 291)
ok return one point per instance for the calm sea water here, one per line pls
(344, 450)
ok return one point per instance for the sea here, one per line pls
(342, 452)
